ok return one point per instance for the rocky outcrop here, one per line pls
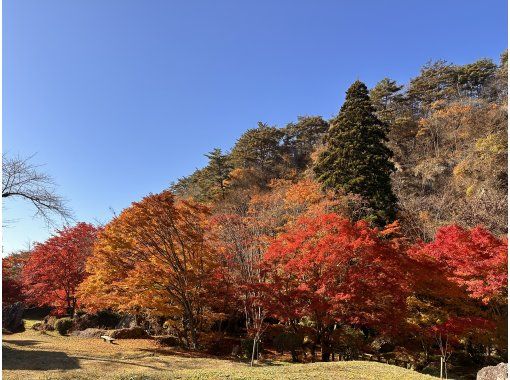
(129, 333)
(127, 321)
(90, 333)
(497, 372)
(12, 317)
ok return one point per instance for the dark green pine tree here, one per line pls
(356, 159)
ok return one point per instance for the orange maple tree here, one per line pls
(154, 258)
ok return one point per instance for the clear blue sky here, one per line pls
(119, 98)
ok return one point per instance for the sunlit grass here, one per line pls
(36, 355)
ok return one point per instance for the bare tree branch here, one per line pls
(22, 179)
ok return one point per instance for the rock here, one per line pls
(127, 321)
(129, 333)
(37, 326)
(153, 324)
(498, 372)
(12, 317)
(84, 321)
(89, 333)
(49, 323)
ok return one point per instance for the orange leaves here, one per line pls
(153, 257)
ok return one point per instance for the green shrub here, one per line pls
(63, 325)
(348, 342)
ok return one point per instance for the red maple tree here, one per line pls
(473, 259)
(335, 272)
(56, 268)
(12, 266)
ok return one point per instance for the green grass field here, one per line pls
(35, 355)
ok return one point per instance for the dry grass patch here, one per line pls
(36, 355)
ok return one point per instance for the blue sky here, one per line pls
(119, 98)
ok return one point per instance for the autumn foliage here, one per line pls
(56, 267)
(12, 288)
(255, 241)
(473, 259)
(336, 272)
(154, 258)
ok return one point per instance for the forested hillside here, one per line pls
(446, 129)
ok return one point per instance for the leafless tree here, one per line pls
(22, 179)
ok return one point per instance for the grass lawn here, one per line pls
(35, 355)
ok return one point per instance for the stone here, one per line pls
(12, 317)
(497, 372)
(84, 321)
(89, 333)
(129, 333)
(127, 321)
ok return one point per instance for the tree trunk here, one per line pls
(253, 350)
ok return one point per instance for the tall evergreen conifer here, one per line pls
(356, 159)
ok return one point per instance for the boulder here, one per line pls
(127, 321)
(90, 333)
(129, 333)
(49, 323)
(153, 324)
(12, 317)
(38, 326)
(84, 321)
(497, 372)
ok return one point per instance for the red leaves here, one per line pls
(457, 326)
(56, 267)
(474, 259)
(332, 270)
(11, 277)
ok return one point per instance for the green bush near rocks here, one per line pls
(63, 325)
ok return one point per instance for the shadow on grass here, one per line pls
(96, 359)
(183, 353)
(175, 351)
(24, 342)
(13, 359)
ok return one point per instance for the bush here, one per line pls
(289, 341)
(63, 325)
(348, 341)
(168, 341)
(218, 344)
(107, 319)
(382, 345)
